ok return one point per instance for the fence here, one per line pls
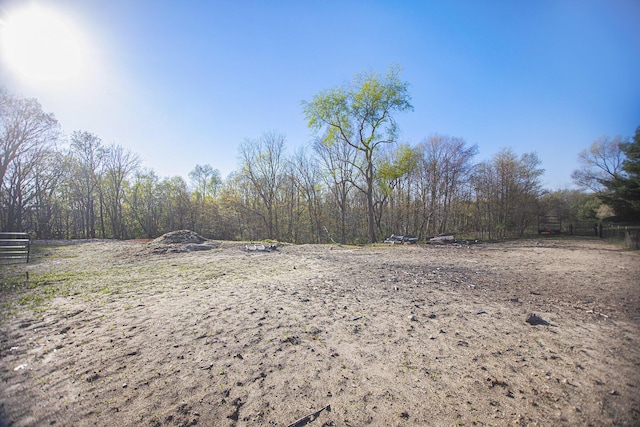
(627, 235)
(14, 245)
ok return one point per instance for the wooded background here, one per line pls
(58, 187)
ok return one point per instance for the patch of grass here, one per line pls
(43, 279)
(6, 310)
(40, 288)
(52, 251)
(37, 297)
(13, 282)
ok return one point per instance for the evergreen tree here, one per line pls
(624, 188)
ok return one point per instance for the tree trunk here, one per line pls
(370, 205)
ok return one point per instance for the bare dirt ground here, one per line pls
(113, 333)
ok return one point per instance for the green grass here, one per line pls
(17, 290)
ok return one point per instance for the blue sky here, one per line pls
(182, 83)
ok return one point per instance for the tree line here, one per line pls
(354, 184)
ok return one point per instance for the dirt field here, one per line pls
(111, 333)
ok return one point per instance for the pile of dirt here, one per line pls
(181, 241)
(180, 236)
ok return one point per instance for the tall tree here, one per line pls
(338, 161)
(48, 178)
(507, 192)
(146, 203)
(623, 187)
(394, 167)
(263, 164)
(176, 214)
(119, 163)
(306, 173)
(89, 154)
(237, 210)
(205, 182)
(16, 193)
(24, 128)
(27, 134)
(602, 161)
(361, 115)
(445, 167)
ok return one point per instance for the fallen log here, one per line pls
(396, 240)
(443, 238)
(260, 247)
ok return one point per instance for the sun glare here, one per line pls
(38, 44)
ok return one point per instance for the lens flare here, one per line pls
(39, 44)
